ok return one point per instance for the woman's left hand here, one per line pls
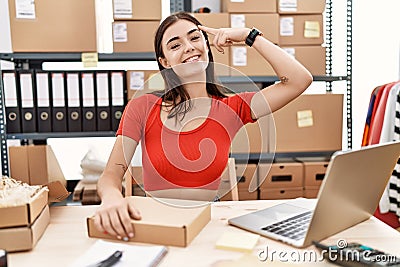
(224, 37)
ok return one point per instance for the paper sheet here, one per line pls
(133, 255)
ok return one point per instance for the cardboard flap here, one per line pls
(57, 191)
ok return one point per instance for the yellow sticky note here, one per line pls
(312, 29)
(244, 242)
(89, 59)
(305, 118)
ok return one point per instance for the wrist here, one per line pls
(251, 37)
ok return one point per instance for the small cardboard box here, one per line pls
(268, 24)
(314, 173)
(53, 26)
(134, 36)
(281, 193)
(301, 6)
(311, 191)
(313, 57)
(25, 214)
(25, 238)
(281, 175)
(163, 223)
(249, 6)
(213, 20)
(312, 122)
(137, 10)
(301, 30)
(246, 61)
(19, 163)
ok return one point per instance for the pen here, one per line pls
(110, 261)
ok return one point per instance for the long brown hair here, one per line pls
(174, 90)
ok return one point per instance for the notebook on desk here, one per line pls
(351, 190)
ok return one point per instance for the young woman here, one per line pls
(186, 132)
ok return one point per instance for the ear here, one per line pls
(164, 62)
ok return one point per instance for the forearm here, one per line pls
(109, 185)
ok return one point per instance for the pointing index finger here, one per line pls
(208, 29)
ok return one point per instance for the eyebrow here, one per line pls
(177, 37)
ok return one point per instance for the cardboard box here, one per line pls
(281, 193)
(43, 166)
(311, 191)
(252, 137)
(301, 30)
(19, 166)
(141, 82)
(134, 36)
(54, 26)
(246, 173)
(268, 24)
(23, 215)
(213, 20)
(25, 238)
(313, 57)
(309, 123)
(314, 173)
(246, 61)
(221, 66)
(164, 224)
(301, 6)
(249, 6)
(137, 10)
(280, 175)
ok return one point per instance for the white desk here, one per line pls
(66, 238)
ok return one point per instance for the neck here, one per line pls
(196, 90)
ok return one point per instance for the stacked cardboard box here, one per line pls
(314, 173)
(53, 26)
(135, 25)
(22, 226)
(301, 32)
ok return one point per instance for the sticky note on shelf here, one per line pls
(244, 242)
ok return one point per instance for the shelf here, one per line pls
(262, 79)
(41, 136)
(270, 157)
(68, 56)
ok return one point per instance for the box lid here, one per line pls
(165, 221)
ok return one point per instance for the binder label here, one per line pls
(26, 90)
(87, 90)
(10, 90)
(103, 99)
(73, 89)
(58, 90)
(117, 83)
(42, 90)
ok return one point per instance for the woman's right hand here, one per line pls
(114, 216)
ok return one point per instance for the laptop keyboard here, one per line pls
(294, 227)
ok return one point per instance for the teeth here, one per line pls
(191, 59)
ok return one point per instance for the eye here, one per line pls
(194, 38)
(174, 46)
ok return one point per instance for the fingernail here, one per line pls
(125, 238)
(119, 237)
(131, 235)
(105, 232)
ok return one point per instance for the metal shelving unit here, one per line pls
(35, 60)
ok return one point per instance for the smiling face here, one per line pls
(184, 49)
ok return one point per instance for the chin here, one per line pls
(191, 72)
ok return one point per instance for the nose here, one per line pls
(188, 46)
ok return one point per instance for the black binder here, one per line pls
(103, 101)
(88, 102)
(28, 107)
(74, 109)
(58, 109)
(11, 99)
(43, 101)
(117, 97)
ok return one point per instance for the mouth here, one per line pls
(192, 59)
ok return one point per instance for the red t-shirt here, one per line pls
(194, 158)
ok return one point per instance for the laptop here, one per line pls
(349, 194)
